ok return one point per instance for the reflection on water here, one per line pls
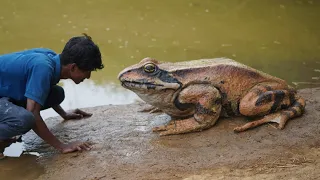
(14, 150)
(281, 38)
(25, 167)
(17, 149)
(89, 94)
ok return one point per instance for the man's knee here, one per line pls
(14, 120)
(55, 97)
(16, 123)
(59, 94)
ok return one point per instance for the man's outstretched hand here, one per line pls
(76, 114)
(75, 146)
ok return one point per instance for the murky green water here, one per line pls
(279, 37)
(25, 167)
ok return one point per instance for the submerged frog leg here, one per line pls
(275, 105)
(206, 101)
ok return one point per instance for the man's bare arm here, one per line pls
(75, 114)
(41, 128)
(60, 111)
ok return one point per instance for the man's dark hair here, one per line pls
(82, 51)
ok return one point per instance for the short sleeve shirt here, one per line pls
(29, 74)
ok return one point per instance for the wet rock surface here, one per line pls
(126, 148)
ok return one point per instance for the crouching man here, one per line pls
(28, 84)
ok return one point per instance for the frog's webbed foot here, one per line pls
(155, 110)
(179, 127)
(279, 118)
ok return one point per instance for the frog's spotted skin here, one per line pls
(196, 93)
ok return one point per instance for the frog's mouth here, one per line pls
(148, 85)
(141, 85)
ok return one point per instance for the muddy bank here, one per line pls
(126, 148)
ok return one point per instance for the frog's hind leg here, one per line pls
(275, 105)
(280, 117)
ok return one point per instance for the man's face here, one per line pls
(78, 75)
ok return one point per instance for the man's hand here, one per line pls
(76, 114)
(42, 131)
(75, 146)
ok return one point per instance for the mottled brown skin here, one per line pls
(196, 93)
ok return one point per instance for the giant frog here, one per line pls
(196, 93)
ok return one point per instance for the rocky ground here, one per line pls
(126, 148)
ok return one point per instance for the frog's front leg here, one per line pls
(205, 99)
(150, 109)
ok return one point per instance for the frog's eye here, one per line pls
(149, 68)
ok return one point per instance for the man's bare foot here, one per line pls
(3, 145)
(2, 156)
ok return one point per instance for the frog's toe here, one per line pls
(237, 129)
(155, 110)
(160, 128)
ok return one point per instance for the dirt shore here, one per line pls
(126, 148)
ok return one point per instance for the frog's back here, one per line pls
(200, 64)
(230, 76)
(217, 69)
